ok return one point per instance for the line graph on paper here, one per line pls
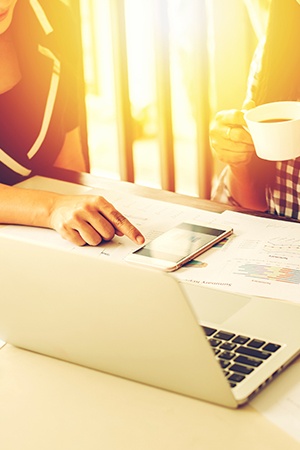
(283, 246)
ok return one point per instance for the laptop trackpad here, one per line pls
(212, 305)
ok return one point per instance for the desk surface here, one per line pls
(49, 404)
(92, 181)
(52, 405)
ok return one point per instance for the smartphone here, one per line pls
(177, 246)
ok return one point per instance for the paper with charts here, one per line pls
(262, 258)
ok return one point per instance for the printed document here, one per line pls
(262, 258)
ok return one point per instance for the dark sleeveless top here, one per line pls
(38, 112)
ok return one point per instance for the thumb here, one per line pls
(248, 104)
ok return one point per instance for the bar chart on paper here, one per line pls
(269, 273)
(279, 251)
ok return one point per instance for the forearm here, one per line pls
(26, 207)
(247, 186)
(81, 219)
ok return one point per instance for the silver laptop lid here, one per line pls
(128, 321)
(125, 320)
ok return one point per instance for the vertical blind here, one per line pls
(163, 91)
(193, 36)
(199, 21)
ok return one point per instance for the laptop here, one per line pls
(143, 324)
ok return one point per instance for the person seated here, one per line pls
(39, 124)
(247, 180)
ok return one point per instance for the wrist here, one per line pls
(247, 185)
(51, 200)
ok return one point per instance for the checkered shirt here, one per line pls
(284, 198)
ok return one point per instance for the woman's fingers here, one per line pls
(91, 219)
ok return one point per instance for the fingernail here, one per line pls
(140, 239)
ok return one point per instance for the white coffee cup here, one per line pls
(275, 130)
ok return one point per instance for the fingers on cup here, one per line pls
(240, 154)
(239, 134)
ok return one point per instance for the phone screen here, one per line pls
(179, 244)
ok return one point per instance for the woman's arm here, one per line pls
(80, 219)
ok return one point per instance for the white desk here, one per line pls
(52, 405)
(49, 404)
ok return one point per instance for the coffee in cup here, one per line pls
(275, 130)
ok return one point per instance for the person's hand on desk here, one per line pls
(90, 220)
(80, 219)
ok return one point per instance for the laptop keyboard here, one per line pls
(238, 355)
